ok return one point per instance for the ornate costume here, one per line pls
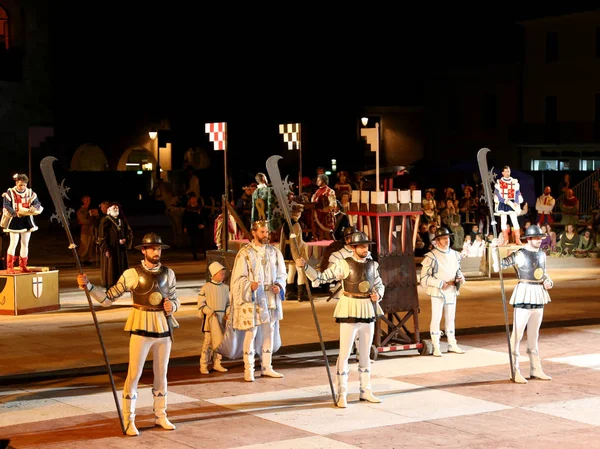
(263, 264)
(507, 200)
(20, 204)
(265, 205)
(325, 206)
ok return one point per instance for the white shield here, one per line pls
(37, 286)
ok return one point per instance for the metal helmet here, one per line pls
(442, 232)
(151, 239)
(360, 238)
(348, 231)
(534, 231)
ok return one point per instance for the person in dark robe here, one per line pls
(114, 239)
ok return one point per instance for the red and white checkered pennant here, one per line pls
(291, 135)
(217, 133)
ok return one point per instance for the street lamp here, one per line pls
(153, 135)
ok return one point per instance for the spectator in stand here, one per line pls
(430, 208)
(569, 208)
(431, 236)
(474, 232)
(586, 242)
(565, 184)
(343, 185)
(547, 245)
(545, 207)
(569, 241)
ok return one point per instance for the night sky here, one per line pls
(118, 69)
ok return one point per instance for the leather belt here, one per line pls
(357, 295)
(148, 308)
(528, 281)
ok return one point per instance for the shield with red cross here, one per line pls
(37, 286)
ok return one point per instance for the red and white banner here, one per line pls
(217, 133)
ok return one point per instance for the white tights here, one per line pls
(139, 347)
(530, 319)
(14, 241)
(439, 307)
(348, 332)
(513, 219)
(268, 330)
(292, 274)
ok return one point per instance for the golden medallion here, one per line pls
(364, 287)
(155, 298)
(538, 273)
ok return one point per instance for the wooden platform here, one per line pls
(23, 293)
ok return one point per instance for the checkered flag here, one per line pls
(291, 135)
(217, 133)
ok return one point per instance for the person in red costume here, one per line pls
(325, 208)
(20, 204)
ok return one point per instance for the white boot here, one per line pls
(452, 344)
(217, 363)
(342, 390)
(435, 341)
(204, 358)
(518, 377)
(366, 394)
(160, 411)
(536, 366)
(249, 367)
(129, 417)
(266, 367)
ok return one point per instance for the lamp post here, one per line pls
(153, 135)
(372, 136)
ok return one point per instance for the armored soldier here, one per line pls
(150, 323)
(528, 299)
(441, 276)
(357, 310)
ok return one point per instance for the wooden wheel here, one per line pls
(374, 352)
(427, 348)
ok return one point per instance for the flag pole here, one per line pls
(225, 199)
(300, 161)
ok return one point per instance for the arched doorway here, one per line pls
(89, 157)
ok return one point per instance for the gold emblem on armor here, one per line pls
(538, 273)
(155, 298)
(364, 287)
